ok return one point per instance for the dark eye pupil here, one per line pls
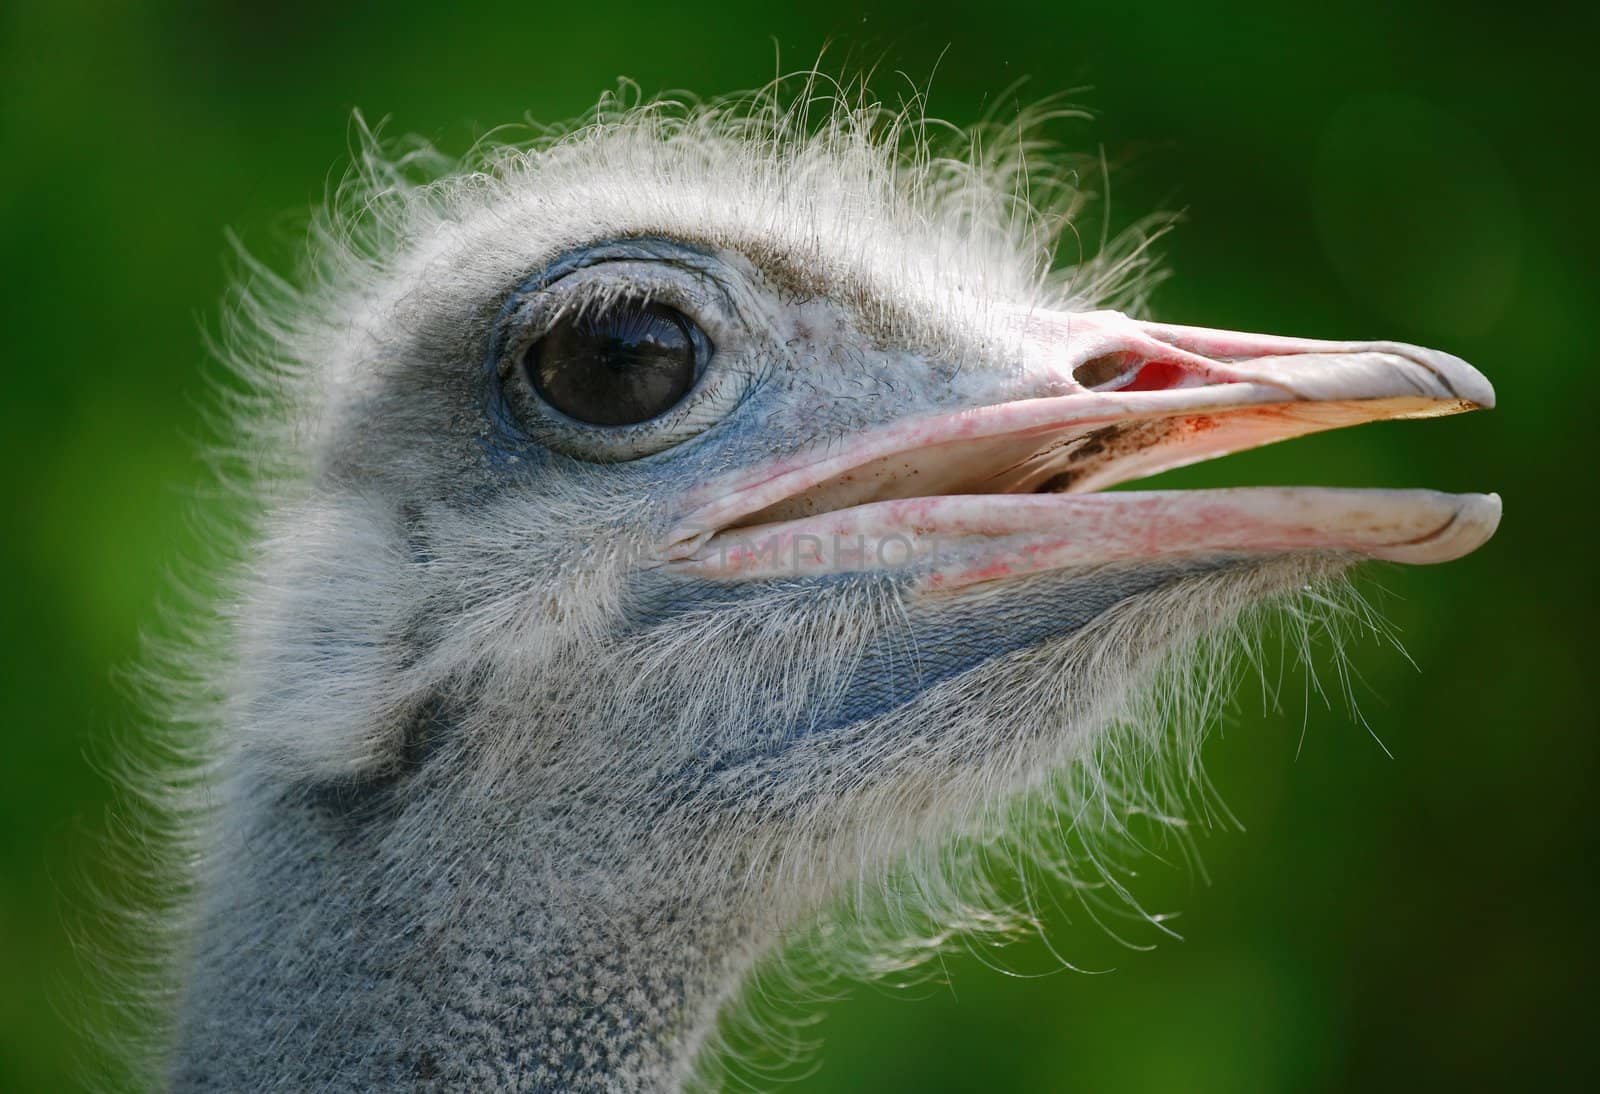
(623, 363)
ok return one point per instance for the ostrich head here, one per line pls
(683, 520)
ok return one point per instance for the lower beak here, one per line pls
(1009, 488)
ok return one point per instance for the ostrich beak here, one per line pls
(1007, 489)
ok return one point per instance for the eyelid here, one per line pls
(534, 310)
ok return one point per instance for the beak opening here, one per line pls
(993, 491)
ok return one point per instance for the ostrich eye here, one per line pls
(623, 363)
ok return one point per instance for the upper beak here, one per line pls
(998, 490)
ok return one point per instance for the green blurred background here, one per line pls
(1418, 172)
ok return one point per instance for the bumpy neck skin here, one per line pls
(339, 949)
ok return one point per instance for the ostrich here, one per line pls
(673, 527)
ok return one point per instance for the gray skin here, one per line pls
(509, 800)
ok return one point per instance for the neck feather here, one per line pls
(340, 949)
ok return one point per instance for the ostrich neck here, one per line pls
(333, 956)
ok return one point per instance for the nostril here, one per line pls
(1107, 371)
(1125, 371)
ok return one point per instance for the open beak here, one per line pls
(1007, 489)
